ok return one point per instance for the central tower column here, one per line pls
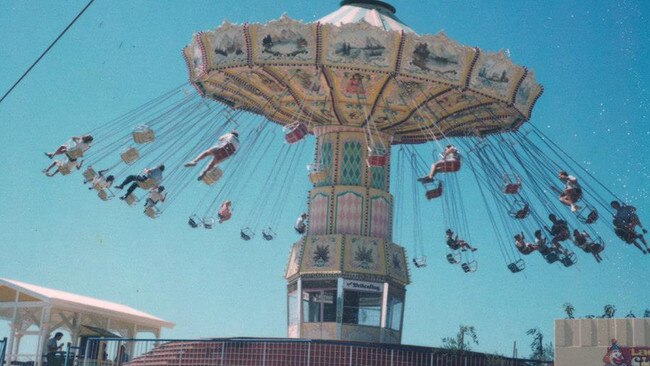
(346, 277)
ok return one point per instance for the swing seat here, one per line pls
(142, 134)
(268, 234)
(511, 188)
(469, 267)
(295, 132)
(89, 174)
(152, 211)
(517, 266)
(569, 260)
(597, 246)
(65, 169)
(433, 193)
(130, 155)
(519, 210)
(131, 199)
(316, 173)
(377, 157)
(212, 176)
(208, 222)
(193, 222)
(104, 196)
(420, 262)
(224, 152)
(246, 234)
(588, 215)
(452, 259)
(551, 257)
(147, 184)
(448, 166)
(74, 153)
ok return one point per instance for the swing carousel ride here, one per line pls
(363, 84)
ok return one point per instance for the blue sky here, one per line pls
(591, 58)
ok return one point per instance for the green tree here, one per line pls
(541, 351)
(608, 311)
(463, 340)
(568, 310)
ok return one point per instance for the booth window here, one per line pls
(394, 312)
(319, 301)
(362, 308)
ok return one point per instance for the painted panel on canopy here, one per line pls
(322, 254)
(495, 75)
(396, 263)
(359, 45)
(285, 41)
(194, 58)
(527, 94)
(380, 214)
(293, 264)
(364, 255)
(436, 57)
(349, 210)
(355, 93)
(318, 211)
(229, 94)
(225, 46)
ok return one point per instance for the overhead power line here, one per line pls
(46, 51)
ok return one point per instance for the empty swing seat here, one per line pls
(208, 222)
(246, 234)
(511, 188)
(448, 166)
(590, 217)
(317, 174)
(569, 260)
(551, 257)
(193, 221)
(212, 176)
(295, 132)
(268, 234)
(517, 266)
(130, 155)
(433, 193)
(152, 212)
(451, 259)
(469, 266)
(142, 134)
(420, 262)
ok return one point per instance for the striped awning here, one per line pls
(376, 13)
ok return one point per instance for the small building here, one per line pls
(602, 341)
(40, 312)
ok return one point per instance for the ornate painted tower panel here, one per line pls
(346, 278)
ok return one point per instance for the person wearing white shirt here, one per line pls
(81, 143)
(154, 174)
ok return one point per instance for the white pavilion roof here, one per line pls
(372, 12)
(62, 299)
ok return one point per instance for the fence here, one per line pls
(274, 352)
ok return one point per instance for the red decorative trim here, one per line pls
(329, 86)
(249, 48)
(521, 80)
(190, 67)
(204, 55)
(471, 66)
(319, 47)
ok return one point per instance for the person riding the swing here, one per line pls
(454, 243)
(301, 223)
(560, 232)
(225, 147)
(523, 247)
(155, 174)
(522, 212)
(625, 222)
(225, 211)
(583, 241)
(63, 167)
(80, 143)
(448, 157)
(572, 191)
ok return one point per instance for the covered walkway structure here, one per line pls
(38, 311)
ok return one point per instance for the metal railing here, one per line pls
(275, 352)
